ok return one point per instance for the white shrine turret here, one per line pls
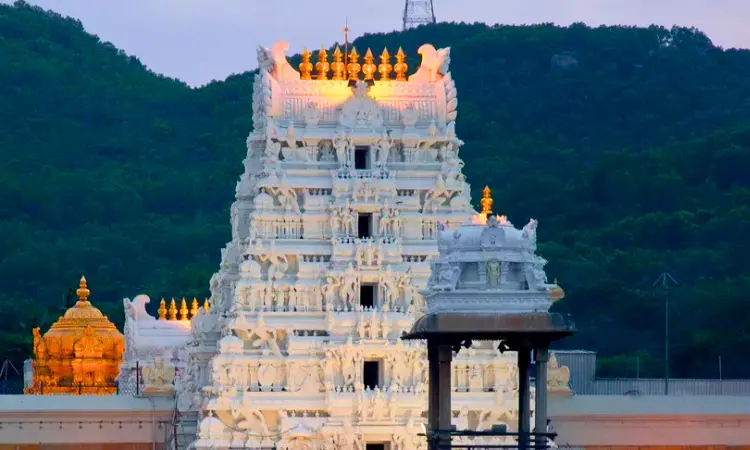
(156, 347)
(350, 168)
(489, 266)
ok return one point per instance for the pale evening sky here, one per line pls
(200, 40)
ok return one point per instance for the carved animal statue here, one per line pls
(251, 420)
(136, 309)
(274, 61)
(434, 63)
(558, 377)
(529, 230)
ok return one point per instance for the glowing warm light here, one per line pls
(501, 220)
(479, 219)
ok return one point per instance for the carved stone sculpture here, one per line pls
(158, 378)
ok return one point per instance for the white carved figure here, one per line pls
(384, 145)
(361, 111)
(311, 114)
(384, 223)
(529, 231)
(277, 263)
(535, 276)
(291, 136)
(447, 277)
(273, 149)
(348, 220)
(158, 377)
(350, 286)
(331, 289)
(437, 195)
(493, 273)
(344, 149)
(335, 221)
(265, 336)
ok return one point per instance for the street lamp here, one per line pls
(666, 280)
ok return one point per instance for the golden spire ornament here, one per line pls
(83, 292)
(385, 68)
(194, 307)
(369, 68)
(400, 67)
(305, 67)
(206, 305)
(162, 310)
(486, 201)
(354, 67)
(173, 310)
(322, 67)
(338, 65)
(183, 310)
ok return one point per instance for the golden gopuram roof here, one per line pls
(80, 354)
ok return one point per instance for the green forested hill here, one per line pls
(630, 145)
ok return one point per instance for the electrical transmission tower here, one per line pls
(418, 12)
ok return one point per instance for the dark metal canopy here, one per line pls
(514, 327)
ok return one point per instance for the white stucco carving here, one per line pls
(152, 346)
(488, 265)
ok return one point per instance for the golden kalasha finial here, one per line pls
(322, 67)
(173, 310)
(206, 305)
(369, 68)
(385, 68)
(184, 310)
(338, 65)
(82, 292)
(162, 310)
(354, 67)
(305, 67)
(486, 201)
(400, 67)
(194, 307)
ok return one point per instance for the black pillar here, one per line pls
(541, 355)
(524, 397)
(439, 412)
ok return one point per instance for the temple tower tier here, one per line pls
(351, 171)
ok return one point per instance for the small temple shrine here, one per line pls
(80, 354)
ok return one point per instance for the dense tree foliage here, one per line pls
(630, 145)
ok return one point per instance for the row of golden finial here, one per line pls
(351, 69)
(184, 312)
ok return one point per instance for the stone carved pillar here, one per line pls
(439, 416)
(541, 356)
(524, 397)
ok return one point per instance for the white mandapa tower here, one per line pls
(333, 227)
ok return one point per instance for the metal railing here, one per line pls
(486, 440)
(658, 387)
(16, 387)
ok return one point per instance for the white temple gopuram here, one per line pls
(334, 224)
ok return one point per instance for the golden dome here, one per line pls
(81, 352)
(556, 293)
